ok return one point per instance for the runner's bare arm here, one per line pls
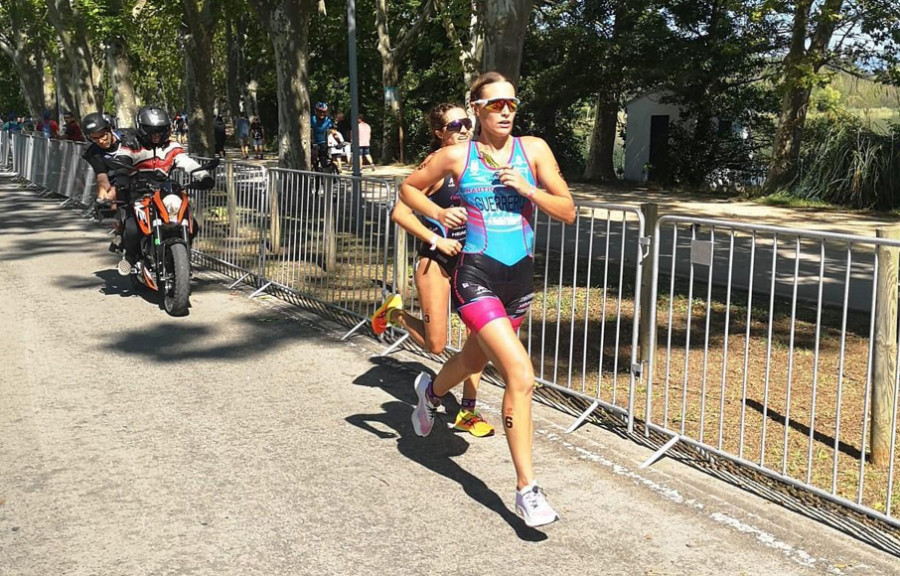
(413, 190)
(554, 198)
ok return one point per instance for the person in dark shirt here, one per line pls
(105, 142)
(219, 132)
(343, 126)
(73, 130)
(257, 136)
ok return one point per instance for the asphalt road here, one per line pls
(247, 439)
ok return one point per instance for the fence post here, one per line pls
(330, 257)
(401, 252)
(651, 214)
(274, 215)
(885, 348)
(231, 200)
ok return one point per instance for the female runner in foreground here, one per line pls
(438, 252)
(492, 287)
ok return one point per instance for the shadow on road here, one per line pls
(172, 341)
(436, 452)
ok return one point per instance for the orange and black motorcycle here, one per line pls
(162, 211)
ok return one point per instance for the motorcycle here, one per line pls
(162, 211)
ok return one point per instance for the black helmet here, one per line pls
(95, 122)
(323, 106)
(152, 120)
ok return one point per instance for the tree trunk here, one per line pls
(234, 69)
(287, 22)
(82, 69)
(603, 138)
(122, 85)
(801, 64)
(392, 138)
(469, 52)
(28, 59)
(391, 146)
(505, 22)
(200, 20)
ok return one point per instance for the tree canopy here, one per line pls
(761, 65)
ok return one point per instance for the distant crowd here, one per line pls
(331, 138)
(70, 129)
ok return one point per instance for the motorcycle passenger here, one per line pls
(105, 143)
(158, 155)
(320, 125)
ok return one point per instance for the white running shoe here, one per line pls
(533, 507)
(423, 415)
(124, 267)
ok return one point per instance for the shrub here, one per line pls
(846, 161)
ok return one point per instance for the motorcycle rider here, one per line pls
(155, 154)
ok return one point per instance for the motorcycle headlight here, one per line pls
(172, 202)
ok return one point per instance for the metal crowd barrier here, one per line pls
(777, 348)
(232, 218)
(5, 149)
(767, 346)
(329, 239)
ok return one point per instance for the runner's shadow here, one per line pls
(435, 452)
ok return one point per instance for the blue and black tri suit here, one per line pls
(495, 274)
(447, 196)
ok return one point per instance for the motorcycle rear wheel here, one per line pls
(178, 292)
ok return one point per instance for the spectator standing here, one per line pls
(180, 127)
(365, 141)
(11, 124)
(49, 126)
(73, 129)
(257, 135)
(242, 131)
(343, 125)
(219, 133)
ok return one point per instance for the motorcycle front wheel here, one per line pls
(178, 289)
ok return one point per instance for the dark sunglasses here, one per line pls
(458, 125)
(498, 104)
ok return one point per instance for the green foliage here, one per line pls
(845, 161)
(11, 99)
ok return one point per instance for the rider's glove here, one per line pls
(204, 183)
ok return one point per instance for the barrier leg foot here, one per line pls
(659, 453)
(238, 281)
(393, 346)
(354, 329)
(260, 290)
(584, 415)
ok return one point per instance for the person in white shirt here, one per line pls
(365, 141)
(337, 148)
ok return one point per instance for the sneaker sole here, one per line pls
(520, 513)
(421, 400)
